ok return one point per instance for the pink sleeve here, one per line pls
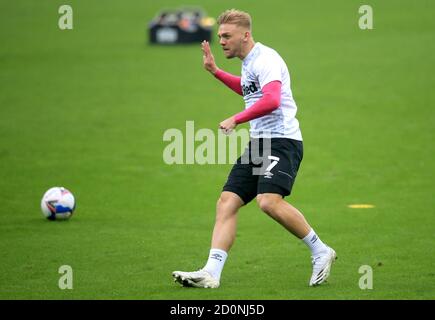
(270, 101)
(231, 81)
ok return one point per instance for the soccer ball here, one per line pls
(58, 203)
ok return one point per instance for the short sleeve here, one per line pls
(267, 69)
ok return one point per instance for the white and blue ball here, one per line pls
(58, 203)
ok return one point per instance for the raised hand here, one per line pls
(208, 59)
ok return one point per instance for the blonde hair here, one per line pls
(237, 17)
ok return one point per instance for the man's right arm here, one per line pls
(231, 81)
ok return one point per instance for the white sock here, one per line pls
(314, 243)
(215, 263)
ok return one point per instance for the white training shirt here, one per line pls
(261, 66)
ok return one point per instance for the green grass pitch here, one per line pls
(87, 108)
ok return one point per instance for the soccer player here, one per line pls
(271, 109)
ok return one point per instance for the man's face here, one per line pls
(231, 38)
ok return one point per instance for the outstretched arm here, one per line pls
(231, 81)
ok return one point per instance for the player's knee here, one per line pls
(266, 203)
(227, 205)
(223, 205)
(223, 200)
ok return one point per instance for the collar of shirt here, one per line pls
(251, 53)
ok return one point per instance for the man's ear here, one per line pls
(247, 35)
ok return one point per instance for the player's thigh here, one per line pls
(242, 182)
(281, 167)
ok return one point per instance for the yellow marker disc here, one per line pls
(361, 206)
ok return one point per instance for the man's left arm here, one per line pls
(269, 102)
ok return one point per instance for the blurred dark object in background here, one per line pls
(184, 25)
